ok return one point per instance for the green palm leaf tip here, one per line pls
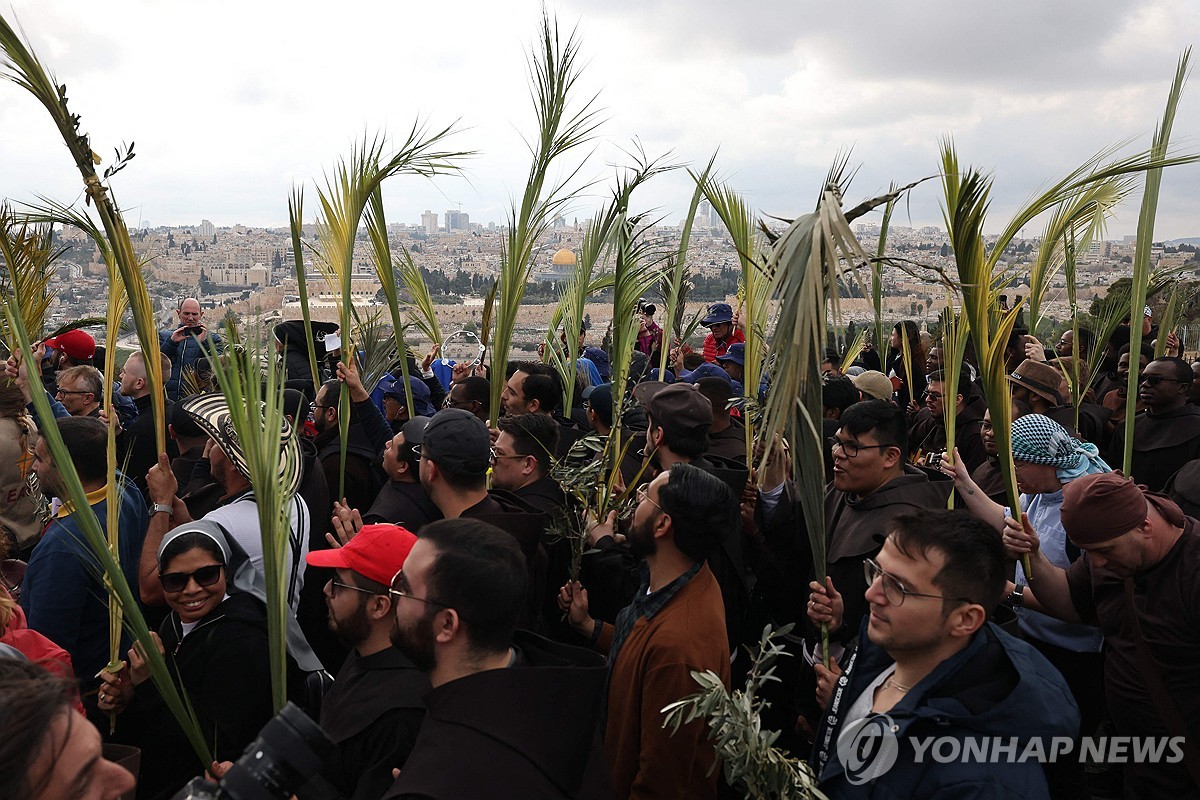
(881, 337)
(739, 222)
(354, 183)
(675, 281)
(27, 253)
(21, 66)
(554, 71)
(296, 226)
(425, 314)
(1145, 236)
(255, 402)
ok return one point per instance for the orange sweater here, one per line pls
(653, 670)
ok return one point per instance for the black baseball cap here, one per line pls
(457, 441)
(599, 399)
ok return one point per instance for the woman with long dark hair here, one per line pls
(908, 388)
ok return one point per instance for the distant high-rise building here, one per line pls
(704, 214)
(206, 230)
(457, 221)
(429, 221)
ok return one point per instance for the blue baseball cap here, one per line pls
(707, 370)
(420, 394)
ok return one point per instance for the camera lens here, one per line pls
(289, 750)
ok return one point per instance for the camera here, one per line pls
(193, 330)
(646, 308)
(289, 750)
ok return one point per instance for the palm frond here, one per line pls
(675, 279)
(28, 254)
(854, 350)
(805, 262)
(22, 67)
(425, 316)
(296, 226)
(1145, 235)
(1081, 217)
(740, 223)
(554, 71)
(256, 413)
(881, 338)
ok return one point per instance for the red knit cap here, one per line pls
(1098, 508)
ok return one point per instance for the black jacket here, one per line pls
(372, 714)
(224, 667)
(403, 504)
(523, 733)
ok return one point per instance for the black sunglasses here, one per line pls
(178, 581)
(1155, 380)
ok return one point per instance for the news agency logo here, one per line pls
(867, 748)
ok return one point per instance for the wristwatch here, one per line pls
(161, 508)
(1017, 598)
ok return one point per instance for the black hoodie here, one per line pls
(521, 733)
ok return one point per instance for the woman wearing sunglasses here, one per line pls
(216, 648)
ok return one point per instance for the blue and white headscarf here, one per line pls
(1037, 439)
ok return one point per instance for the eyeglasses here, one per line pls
(339, 585)
(893, 589)
(643, 493)
(400, 587)
(1155, 380)
(850, 449)
(494, 457)
(178, 581)
(934, 395)
(314, 406)
(67, 391)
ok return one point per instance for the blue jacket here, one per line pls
(62, 594)
(997, 686)
(185, 354)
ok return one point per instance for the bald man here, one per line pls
(185, 344)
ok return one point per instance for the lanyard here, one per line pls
(831, 716)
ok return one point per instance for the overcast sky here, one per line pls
(232, 103)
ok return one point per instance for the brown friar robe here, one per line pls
(852, 524)
(1162, 444)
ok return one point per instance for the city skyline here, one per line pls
(231, 105)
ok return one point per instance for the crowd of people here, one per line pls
(474, 653)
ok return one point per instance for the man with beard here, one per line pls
(375, 708)
(402, 500)
(663, 636)
(362, 481)
(455, 459)
(928, 435)
(1167, 436)
(511, 715)
(537, 389)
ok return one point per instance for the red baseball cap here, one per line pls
(78, 344)
(376, 552)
